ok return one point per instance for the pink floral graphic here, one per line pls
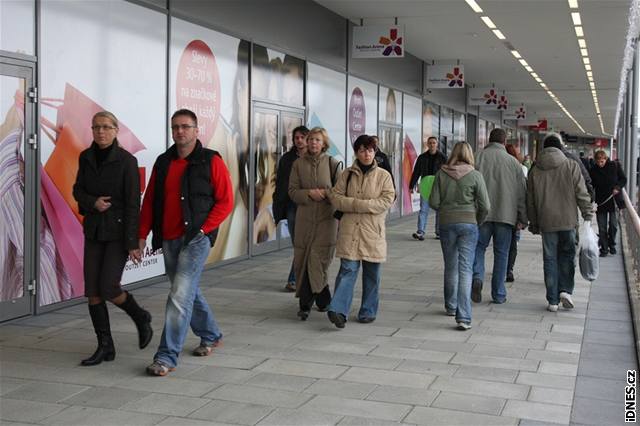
(491, 97)
(503, 103)
(393, 43)
(521, 113)
(457, 78)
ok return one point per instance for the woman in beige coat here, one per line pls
(312, 177)
(363, 193)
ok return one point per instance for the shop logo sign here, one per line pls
(377, 42)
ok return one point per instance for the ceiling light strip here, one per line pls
(492, 26)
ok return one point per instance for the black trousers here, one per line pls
(103, 265)
(513, 250)
(607, 229)
(307, 297)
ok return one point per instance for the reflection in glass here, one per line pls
(12, 180)
(390, 145)
(265, 140)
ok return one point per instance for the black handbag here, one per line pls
(339, 213)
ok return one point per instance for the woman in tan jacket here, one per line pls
(363, 193)
(312, 177)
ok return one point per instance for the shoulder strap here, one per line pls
(346, 187)
(333, 170)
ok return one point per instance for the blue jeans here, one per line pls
(501, 233)
(291, 225)
(345, 281)
(185, 305)
(423, 215)
(558, 254)
(458, 242)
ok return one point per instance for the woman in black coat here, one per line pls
(608, 179)
(107, 190)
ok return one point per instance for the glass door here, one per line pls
(390, 138)
(18, 158)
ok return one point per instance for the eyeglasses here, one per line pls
(177, 127)
(105, 128)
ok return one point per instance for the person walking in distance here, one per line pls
(427, 164)
(188, 197)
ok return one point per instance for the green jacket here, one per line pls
(460, 195)
(556, 191)
(506, 184)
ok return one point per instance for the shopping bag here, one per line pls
(589, 260)
(426, 183)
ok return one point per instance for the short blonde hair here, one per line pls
(461, 153)
(108, 115)
(325, 136)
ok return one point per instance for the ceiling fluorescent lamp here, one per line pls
(488, 22)
(589, 73)
(579, 32)
(586, 60)
(587, 67)
(582, 43)
(573, 4)
(538, 79)
(528, 68)
(575, 16)
(584, 52)
(477, 9)
(524, 63)
(516, 54)
(499, 34)
(534, 75)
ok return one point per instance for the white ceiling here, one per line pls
(541, 30)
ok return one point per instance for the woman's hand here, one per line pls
(317, 194)
(102, 203)
(136, 256)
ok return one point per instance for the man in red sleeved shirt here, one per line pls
(188, 196)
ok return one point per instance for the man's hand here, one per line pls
(616, 191)
(136, 255)
(520, 226)
(102, 203)
(142, 243)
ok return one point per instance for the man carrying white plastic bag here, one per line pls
(555, 190)
(588, 258)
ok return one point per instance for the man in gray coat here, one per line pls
(507, 188)
(556, 190)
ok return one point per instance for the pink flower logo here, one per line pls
(491, 97)
(457, 78)
(393, 43)
(503, 103)
(520, 113)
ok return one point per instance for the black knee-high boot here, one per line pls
(106, 351)
(140, 317)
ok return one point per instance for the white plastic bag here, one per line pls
(589, 260)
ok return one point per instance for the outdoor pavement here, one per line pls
(519, 364)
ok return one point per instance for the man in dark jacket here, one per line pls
(188, 197)
(584, 170)
(283, 206)
(608, 180)
(427, 164)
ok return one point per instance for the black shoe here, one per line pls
(612, 250)
(106, 350)
(416, 236)
(338, 319)
(437, 236)
(476, 290)
(303, 315)
(322, 309)
(366, 320)
(141, 318)
(510, 278)
(603, 253)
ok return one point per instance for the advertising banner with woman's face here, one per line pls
(430, 123)
(95, 56)
(326, 90)
(362, 111)
(209, 75)
(410, 150)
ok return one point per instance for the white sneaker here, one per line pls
(552, 308)
(565, 299)
(464, 326)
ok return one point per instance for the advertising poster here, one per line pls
(390, 107)
(209, 75)
(410, 151)
(430, 123)
(12, 182)
(277, 77)
(326, 90)
(362, 111)
(459, 127)
(118, 64)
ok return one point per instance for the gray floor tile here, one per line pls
(599, 388)
(81, 416)
(103, 397)
(440, 416)
(18, 410)
(287, 417)
(473, 403)
(597, 412)
(45, 392)
(169, 405)
(232, 412)
(358, 408)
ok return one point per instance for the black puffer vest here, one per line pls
(196, 193)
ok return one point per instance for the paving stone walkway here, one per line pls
(517, 365)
